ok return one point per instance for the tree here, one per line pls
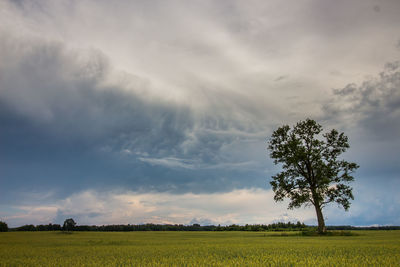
(69, 224)
(313, 173)
(3, 227)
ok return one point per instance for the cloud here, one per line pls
(68, 107)
(252, 206)
(79, 93)
(94, 207)
(178, 163)
(373, 105)
(221, 85)
(30, 215)
(170, 162)
(180, 97)
(382, 208)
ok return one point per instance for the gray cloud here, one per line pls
(374, 105)
(71, 97)
(160, 89)
(180, 96)
(113, 207)
(75, 104)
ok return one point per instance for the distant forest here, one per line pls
(280, 226)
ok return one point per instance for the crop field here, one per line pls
(376, 248)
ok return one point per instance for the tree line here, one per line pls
(69, 226)
(280, 226)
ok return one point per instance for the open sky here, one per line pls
(159, 111)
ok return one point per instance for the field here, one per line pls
(378, 248)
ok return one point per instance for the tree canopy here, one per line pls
(3, 227)
(313, 173)
(69, 224)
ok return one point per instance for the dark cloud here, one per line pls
(180, 97)
(377, 8)
(348, 90)
(69, 97)
(374, 105)
(65, 126)
(280, 78)
(369, 113)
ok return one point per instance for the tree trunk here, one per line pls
(321, 222)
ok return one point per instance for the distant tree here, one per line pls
(69, 224)
(48, 227)
(27, 227)
(312, 172)
(3, 227)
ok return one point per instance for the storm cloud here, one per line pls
(374, 104)
(178, 99)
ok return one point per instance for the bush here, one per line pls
(3, 227)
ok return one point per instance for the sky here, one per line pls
(117, 112)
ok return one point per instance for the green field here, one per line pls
(377, 248)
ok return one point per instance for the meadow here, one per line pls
(376, 248)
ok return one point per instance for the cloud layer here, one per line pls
(252, 206)
(92, 207)
(179, 98)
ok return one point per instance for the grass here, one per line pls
(376, 248)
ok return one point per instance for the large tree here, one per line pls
(313, 173)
